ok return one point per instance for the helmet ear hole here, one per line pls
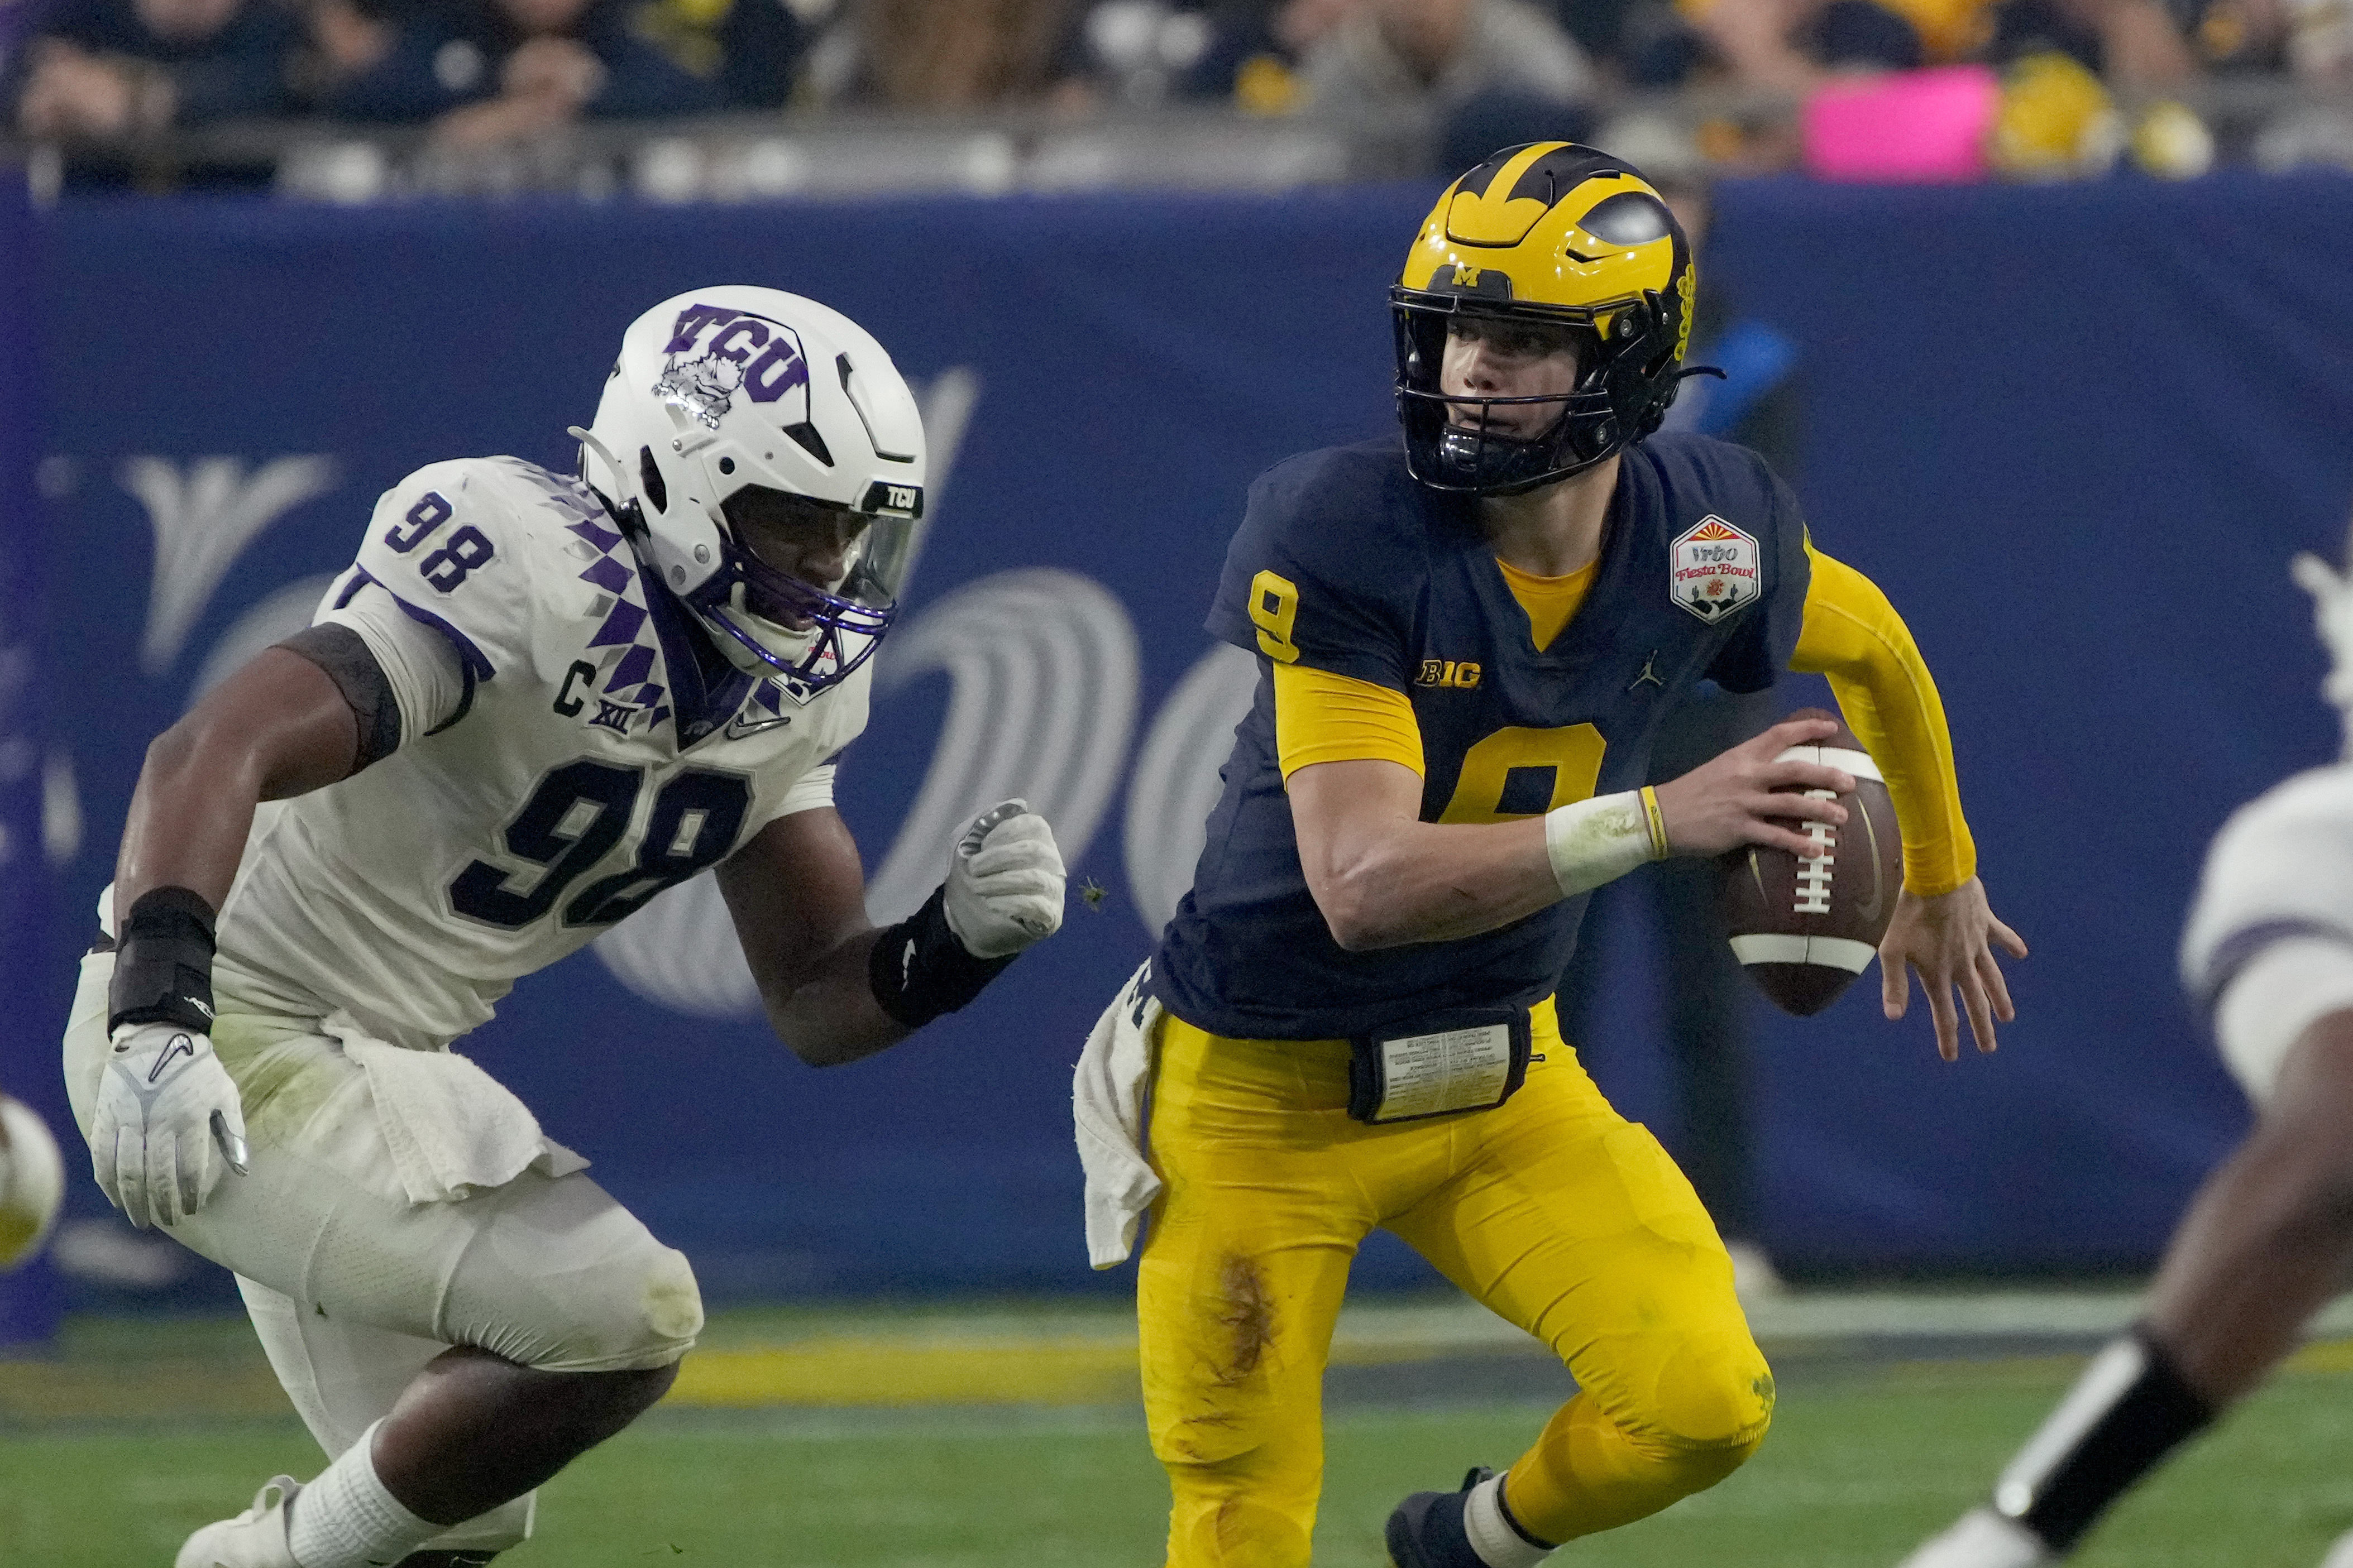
(649, 478)
(806, 435)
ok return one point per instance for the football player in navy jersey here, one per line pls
(1467, 638)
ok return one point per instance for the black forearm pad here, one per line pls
(2126, 1428)
(919, 970)
(163, 963)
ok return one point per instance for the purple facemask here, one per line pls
(843, 631)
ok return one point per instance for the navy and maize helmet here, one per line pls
(1553, 233)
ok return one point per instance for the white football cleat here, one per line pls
(1982, 1539)
(254, 1539)
(2341, 1554)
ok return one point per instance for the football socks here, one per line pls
(346, 1519)
(1498, 1538)
(2128, 1410)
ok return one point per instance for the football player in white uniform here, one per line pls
(533, 703)
(2268, 958)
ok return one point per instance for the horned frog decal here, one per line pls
(715, 353)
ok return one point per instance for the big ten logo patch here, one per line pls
(1461, 676)
(1714, 569)
(715, 351)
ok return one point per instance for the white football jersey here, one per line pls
(577, 761)
(2269, 946)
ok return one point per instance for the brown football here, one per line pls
(1804, 928)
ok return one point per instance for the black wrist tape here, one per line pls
(2124, 1420)
(163, 963)
(919, 970)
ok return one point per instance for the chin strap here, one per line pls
(2332, 606)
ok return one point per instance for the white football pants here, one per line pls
(353, 1287)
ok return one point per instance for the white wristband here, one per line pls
(1590, 842)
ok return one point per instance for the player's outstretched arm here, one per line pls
(1383, 878)
(168, 1122)
(1943, 925)
(1949, 939)
(837, 988)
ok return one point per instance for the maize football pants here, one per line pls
(1551, 1210)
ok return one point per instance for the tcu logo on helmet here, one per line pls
(715, 351)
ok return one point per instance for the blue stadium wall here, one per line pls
(2075, 432)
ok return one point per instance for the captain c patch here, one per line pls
(1714, 569)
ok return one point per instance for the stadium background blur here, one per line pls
(2073, 411)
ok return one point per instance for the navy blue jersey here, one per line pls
(1343, 564)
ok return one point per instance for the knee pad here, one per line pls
(1712, 1396)
(563, 1278)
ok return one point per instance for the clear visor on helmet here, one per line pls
(810, 588)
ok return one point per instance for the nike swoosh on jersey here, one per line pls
(738, 729)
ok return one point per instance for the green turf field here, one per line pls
(1866, 1458)
(1854, 1473)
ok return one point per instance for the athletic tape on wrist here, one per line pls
(163, 963)
(918, 970)
(1590, 842)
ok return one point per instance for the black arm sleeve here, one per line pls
(344, 654)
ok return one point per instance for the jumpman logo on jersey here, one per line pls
(1650, 673)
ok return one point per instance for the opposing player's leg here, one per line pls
(553, 1317)
(1573, 1222)
(1240, 1280)
(2266, 1243)
(344, 1377)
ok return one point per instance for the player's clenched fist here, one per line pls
(1005, 882)
(168, 1121)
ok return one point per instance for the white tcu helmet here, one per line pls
(721, 388)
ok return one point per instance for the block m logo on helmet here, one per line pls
(1566, 242)
(715, 353)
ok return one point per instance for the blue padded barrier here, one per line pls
(2075, 433)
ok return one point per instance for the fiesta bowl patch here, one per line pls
(1715, 569)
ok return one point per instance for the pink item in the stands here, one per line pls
(1919, 126)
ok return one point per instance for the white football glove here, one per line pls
(2332, 614)
(1005, 882)
(168, 1121)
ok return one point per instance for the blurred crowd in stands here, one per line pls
(478, 71)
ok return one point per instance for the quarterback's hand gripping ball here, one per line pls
(32, 1181)
(168, 1123)
(1803, 928)
(1005, 882)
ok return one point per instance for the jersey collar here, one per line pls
(705, 690)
